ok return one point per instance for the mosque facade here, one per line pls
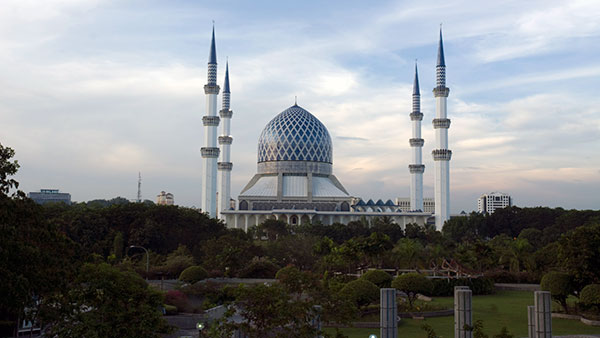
(294, 181)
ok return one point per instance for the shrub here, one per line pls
(412, 284)
(590, 295)
(259, 268)
(378, 277)
(560, 286)
(361, 292)
(177, 299)
(193, 274)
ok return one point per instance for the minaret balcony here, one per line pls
(210, 152)
(210, 121)
(416, 116)
(225, 166)
(442, 91)
(441, 154)
(211, 89)
(416, 168)
(225, 139)
(416, 142)
(441, 123)
(226, 113)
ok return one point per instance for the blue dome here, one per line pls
(295, 135)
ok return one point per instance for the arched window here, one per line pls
(345, 206)
(294, 220)
(243, 205)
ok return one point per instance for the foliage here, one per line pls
(268, 310)
(378, 277)
(361, 292)
(36, 260)
(412, 284)
(177, 261)
(504, 333)
(590, 295)
(560, 286)
(193, 274)
(94, 306)
(178, 299)
(7, 169)
(430, 332)
(259, 268)
(295, 281)
(578, 254)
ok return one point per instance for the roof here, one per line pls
(294, 186)
(440, 57)
(212, 57)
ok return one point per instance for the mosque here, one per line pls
(294, 181)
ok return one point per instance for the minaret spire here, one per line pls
(225, 140)
(417, 168)
(441, 155)
(210, 151)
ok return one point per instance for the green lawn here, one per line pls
(505, 308)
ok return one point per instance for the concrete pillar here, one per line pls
(388, 313)
(462, 312)
(531, 321)
(316, 320)
(543, 314)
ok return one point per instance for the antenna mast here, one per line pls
(139, 195)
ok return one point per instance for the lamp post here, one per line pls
(147, 256)
(200, 327)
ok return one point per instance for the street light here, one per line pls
(147, 256)
(200, 327)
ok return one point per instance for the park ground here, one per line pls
(502, 309)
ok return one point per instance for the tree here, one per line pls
(590, 296)
(193, 274)
(560, 286)
(378, 277)
(578, 254)
(106, 302)
(412, 284)
(7, 169)
(36, 259)
(361, 292)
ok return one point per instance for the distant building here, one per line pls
(404, 204)
(50, 195)
(165, 198)
(488, 203)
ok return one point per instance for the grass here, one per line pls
(504, 308)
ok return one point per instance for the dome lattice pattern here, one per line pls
(295, 135)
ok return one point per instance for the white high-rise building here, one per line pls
(441, 154)
(416, 143)
(225, 140)
(488, 203)
(210, 151)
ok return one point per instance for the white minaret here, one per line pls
(225, 140)
(210, 152)
(416, 143)
(441, 154)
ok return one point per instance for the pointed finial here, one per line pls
(212, 57)
(440, 58)
(295, 100)
(226, 85)
(416, 90)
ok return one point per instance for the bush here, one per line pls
(178, 299)
(560, 286)
(193, 274)
(361, 292)
(412, 284)
(590, 295)
(378, 277)
(503, 276)
(259, 268)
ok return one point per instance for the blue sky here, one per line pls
(94, 91)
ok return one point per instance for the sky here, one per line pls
(93, 92)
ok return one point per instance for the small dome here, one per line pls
(295, 135)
